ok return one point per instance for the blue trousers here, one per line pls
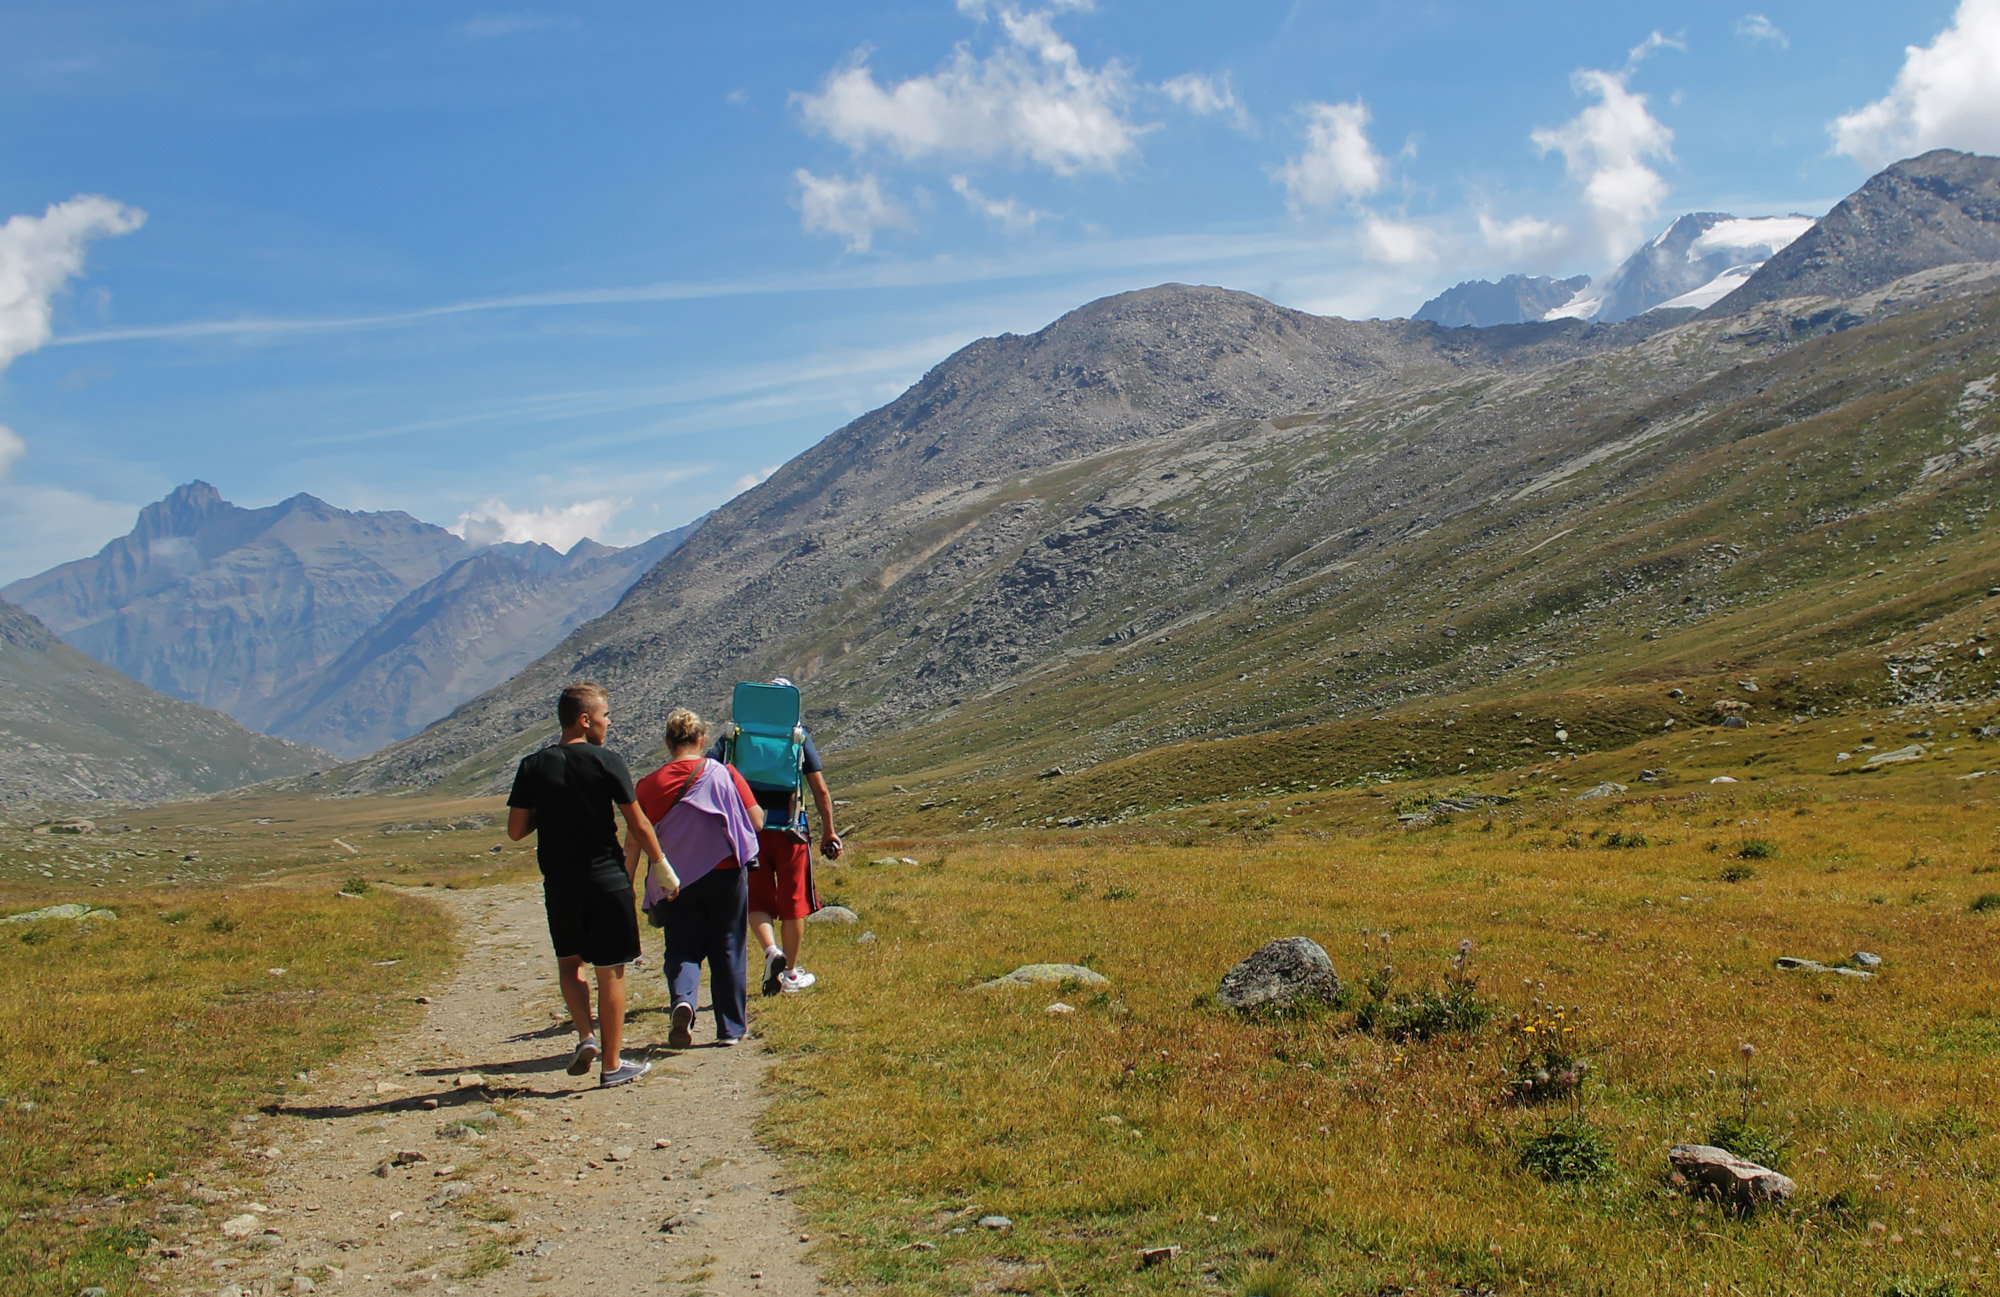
(707, 921)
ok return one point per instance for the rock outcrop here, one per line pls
(1289, 973)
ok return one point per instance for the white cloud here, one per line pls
(559, 527)
(38, 254)
(851, 209)
(1946, 96)
(1606, 148)
(753, 478)
(1032, 100)
(1756, 27)
(1524, 237)
(41, 526)
(1654, 41)
(1205, 96)
(1009, 213)
(11, 449)
(1396, 243)
(1338, 161)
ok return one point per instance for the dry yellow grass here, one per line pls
(132, 1044)
(1302, 1156)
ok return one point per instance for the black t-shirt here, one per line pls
(572, 788)
(777, 799)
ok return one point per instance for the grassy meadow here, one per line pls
(135, 1045)
(1304, 1154)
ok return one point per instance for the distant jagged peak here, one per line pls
(182, 513)
(1513, 299)
(1694, 261)
(1938, 209)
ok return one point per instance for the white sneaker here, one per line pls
(795, 979)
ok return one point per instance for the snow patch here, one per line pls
(1713, 291)
(1744, 233)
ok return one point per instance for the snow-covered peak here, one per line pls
(1682, 263)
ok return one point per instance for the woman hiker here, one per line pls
(707, 823)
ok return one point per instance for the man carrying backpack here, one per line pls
(781, 887)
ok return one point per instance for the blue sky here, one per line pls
(591, 269)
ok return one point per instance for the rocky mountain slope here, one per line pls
(1185, 514)
(1514, 299)
(342, 629)
(458, 635)
(73, 730)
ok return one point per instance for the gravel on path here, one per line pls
(461, 1158)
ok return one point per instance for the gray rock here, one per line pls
(242, 1226)
(886, 860)
(866, 936)
(92, 1292)
(304, 1284)
(1714, 1172)
(995, 1223)
(1794, 964)
(1733, 722)
(71, 911)
(1037, 974)
(1603, 790)
(1287, 972)
(1912, 752)
(833, 914)
(1865, 959)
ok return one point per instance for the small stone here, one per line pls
(1717, 1173)
(1912, 752)
(1280, 974)
(275, 972)
(1059, 1009)
(995, 1223)
(1152, 1256)
(906, 860)
(429, 1105)
(663, 1143)
(1034, 974)
(866, 936)
(833, 914)
(469, 1081)
(1866, 959)
(92, 1292)
(1794, 964)
(1733, 722)
(242, 1226)
(886, 860)
(386, 1087)
(303, 1284)
(620, 1154)
(424, 999)
(445, 1171)
(1722, 779)
(407, 1157)
(1605, 789)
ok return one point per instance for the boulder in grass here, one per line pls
(833, 914)
(1287, 973)
(1712, 1172)
(1039, 974)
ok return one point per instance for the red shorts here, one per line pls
(782, 883)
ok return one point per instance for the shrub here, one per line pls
(1758, 849)
(1546, 1063)
(1754, 1143)
(1625, 840)
(1925, 1286)
(1569, 1150)
(222, 923)
(355, 887)
(1985, 901)
(1421, 1015)
(1737, 874)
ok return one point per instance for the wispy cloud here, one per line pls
(852, 210)
(1525, 238)
(1010, 214)
(1757, 29)
(754, 478)
(1206, 96)
(1947, 95)
(486, 27)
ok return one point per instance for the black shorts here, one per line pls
(593, 918)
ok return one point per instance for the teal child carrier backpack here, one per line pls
(769, 747)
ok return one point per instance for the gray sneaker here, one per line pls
(586, 1054)
(625, 1075)
(681, 1034)
(774, 968)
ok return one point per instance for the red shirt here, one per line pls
(659, 791)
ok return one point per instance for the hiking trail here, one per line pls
(522, 1179)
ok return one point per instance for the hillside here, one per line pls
(1036, 559)
(73, 730)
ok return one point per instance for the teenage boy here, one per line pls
(565, 795)
(781, 887)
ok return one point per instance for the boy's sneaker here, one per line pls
(681, 1034)
(625, 1075)
(586, 1054)
(728, 1042)
(774, 969)
(796, 979)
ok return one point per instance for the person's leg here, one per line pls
(795, 938)
(575, 993)
(611, 1013)
(685, 947)
(727, 956)
(760, 926)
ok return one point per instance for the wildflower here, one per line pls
(1747, 1050)
(1465, 945)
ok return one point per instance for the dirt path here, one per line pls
(516, 1178)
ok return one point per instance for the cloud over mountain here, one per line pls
(1946, 96)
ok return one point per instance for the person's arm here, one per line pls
(829, 843)
(638, 831)
(520, 823)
